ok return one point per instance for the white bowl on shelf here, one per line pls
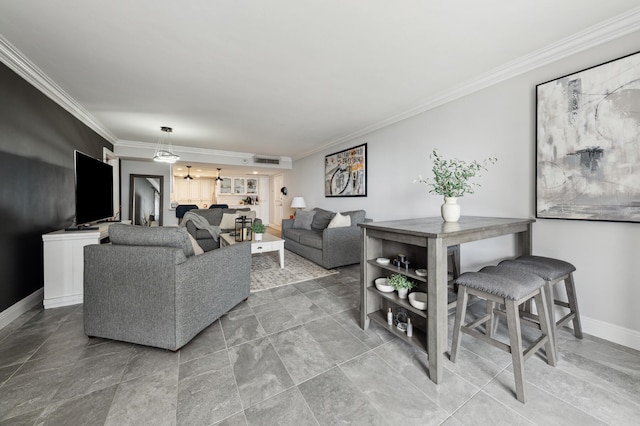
(381, 285)
(418, 300)
(383, 260)
(421, 272)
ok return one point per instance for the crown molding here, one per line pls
(601, 33)
(26, 69)
(143, 149)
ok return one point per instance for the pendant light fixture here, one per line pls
(188, 176)
(218, 178)
(164, 149)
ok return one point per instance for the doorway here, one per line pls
(277, 198)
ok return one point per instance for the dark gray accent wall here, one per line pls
(37, 140)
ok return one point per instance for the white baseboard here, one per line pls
(611, 332)
(14, 311)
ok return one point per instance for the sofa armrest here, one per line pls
(341, 246)
(129, 293)
(287, 223)
(210, 284)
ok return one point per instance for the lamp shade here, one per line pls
(298, 203)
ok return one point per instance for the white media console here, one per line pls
(64, 264)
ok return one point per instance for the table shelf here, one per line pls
(418, 340)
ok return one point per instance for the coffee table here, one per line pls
(268, 243)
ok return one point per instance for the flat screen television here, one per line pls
(94, 189)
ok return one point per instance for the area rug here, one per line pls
(266, 272)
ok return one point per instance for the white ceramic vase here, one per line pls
(402, 293)
(450, 209)
(257, 236)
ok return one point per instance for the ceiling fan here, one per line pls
(218, 178)
(188, 176)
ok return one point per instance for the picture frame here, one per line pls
(587, 143)
(345, 172)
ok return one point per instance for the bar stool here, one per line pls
(511, 288)
(553, 271)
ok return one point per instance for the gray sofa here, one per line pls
(214, 217)
(148, 287)
(328, 247)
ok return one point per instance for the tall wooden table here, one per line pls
(426, 240)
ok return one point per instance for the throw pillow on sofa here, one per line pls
(321, 219)
(196, 247)
(303, 219)
(340, 221)
(229, 219)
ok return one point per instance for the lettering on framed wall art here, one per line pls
(588, 144)
(345, 173)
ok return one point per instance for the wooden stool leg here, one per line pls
(573, 305)
(547, 326)
(461, 309)
(549, 302)
(492, 324)
(515, 341)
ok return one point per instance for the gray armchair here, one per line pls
(147, 287)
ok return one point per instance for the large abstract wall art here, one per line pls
(588, 144)
(345, 173)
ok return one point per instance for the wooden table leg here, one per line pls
(436, 307)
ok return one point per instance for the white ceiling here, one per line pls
(280, 77)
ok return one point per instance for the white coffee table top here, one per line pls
(266, 238)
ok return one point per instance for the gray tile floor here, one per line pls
(296, 355)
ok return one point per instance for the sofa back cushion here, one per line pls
(357, 216)
(213, 216)
(321, 219)
(157, 236)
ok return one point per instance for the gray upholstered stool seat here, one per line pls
(512, 288)
(553, 271)
(548, 268)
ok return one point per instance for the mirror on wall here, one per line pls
(145, 204)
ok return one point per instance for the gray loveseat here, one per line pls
(148, 287)
(328, 247)
(215, 217)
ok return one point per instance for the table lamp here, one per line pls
(298, 203)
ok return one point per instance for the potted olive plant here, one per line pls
(258, 229)
(452, 179)
(401, 284)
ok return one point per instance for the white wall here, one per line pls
(498, 120)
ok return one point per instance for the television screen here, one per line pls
(94, 189)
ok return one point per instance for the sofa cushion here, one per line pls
(201, 234)
(340, 221)
(357, 216)
(312, 239)
(294, 234)
(321, 219)
(303, 219)
(157, 236)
